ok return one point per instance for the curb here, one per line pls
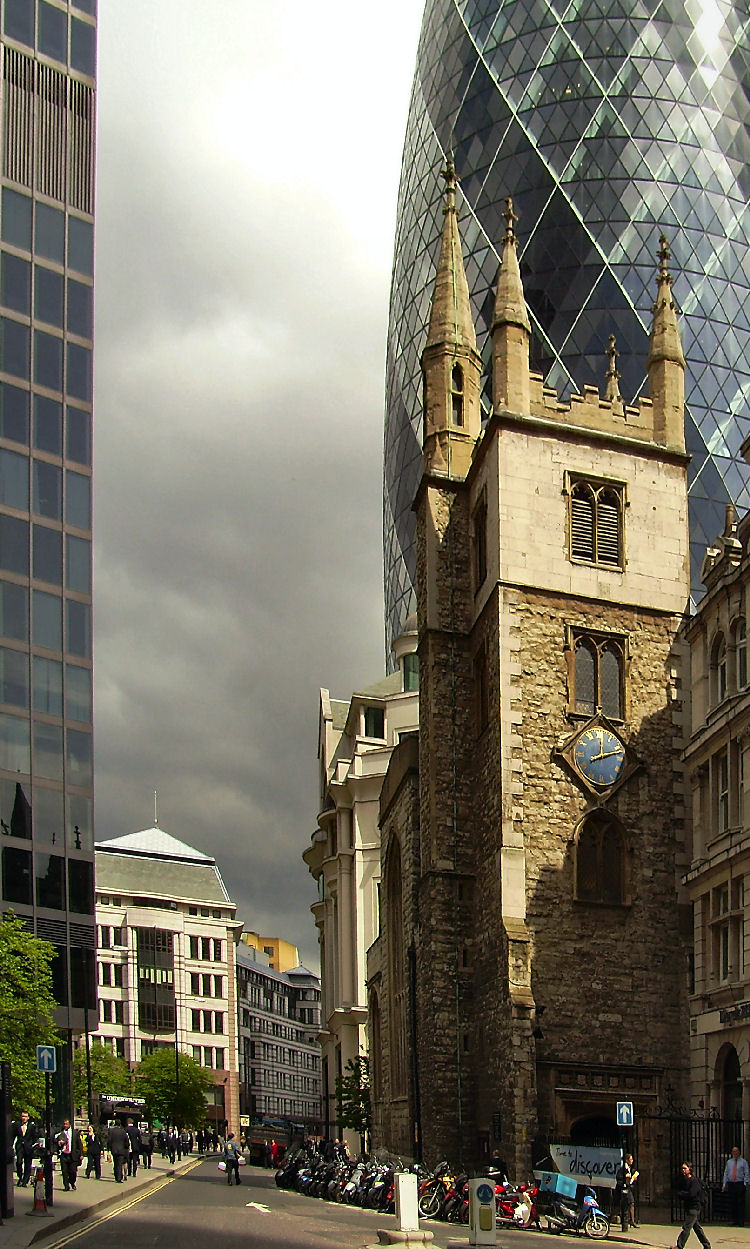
(107, 1203)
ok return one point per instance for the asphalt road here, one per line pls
(198, 1209)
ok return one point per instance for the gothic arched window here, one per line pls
(600, 861)
(457, 394)
(596, 523)
(598, 675)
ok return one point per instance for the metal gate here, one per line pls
(705, 1142)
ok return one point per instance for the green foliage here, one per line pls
(26, 1010)
(156, 1082)
(109, 1074)
(353, 1097)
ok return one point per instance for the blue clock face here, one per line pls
(599, 756)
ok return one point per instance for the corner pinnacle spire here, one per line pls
(450, 317)
(510, 306)
(665, 335)
(666, 363)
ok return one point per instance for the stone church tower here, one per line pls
(532, 965)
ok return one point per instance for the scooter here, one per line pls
(588, 1218)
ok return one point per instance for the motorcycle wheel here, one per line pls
(596, 1226)
(429, 1203)
(464, 1212)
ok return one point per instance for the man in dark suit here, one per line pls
(25, 1136)
(118, 1144)
(134, 1156)
(93, 1154)
(70, 1153)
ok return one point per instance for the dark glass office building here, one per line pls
(607, 121)
(47, 107)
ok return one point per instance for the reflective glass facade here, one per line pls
(47, 105)
(608, 121)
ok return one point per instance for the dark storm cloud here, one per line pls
(240, 339)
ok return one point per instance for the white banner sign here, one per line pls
(586, 1162)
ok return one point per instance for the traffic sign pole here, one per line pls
(48, 1193)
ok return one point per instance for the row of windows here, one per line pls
(209, 949)
(31, 485)
(27, 876)
(44, 293)
(110, 974)
(206, 985)
(37, 616)
(56, 236)
(44, 27)
(265, 1079)
(207, 1021)
(111, 1011)
(37, 550)
(48, 750)
(38, 682)
(264, 1050)
(38, 812)
(47, 426)
(208, 1056)
(60, 366)
(728, 664)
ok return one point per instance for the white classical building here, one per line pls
(355, 742)
(166, 939)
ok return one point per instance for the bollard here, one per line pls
(40, 1198)
(407, 1231)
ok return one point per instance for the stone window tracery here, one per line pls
(598, 674)
(600, 861)
(596, 523)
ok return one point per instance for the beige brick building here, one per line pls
(719, 777)
(532, 964)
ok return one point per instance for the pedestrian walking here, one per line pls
(734, 1184)
(134, 1155)
(626, 1177)
(147, 1148)
(118, 1144)
(25, 1134)
(93, 1154)
(70, 1152)
(690, 1192)
(232, 1159)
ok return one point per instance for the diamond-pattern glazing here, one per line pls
(608, 121)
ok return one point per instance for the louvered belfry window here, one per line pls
(596, 523)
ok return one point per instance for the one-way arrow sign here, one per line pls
(256, 1205)
(46, 1059)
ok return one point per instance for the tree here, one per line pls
(181, 1105)
(27, 1008)
(109, 1074)
(353, 1098)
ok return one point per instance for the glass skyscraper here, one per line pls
(608, 122)
(47, 103)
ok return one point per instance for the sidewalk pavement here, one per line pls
(88, 1198)
(661, 1235)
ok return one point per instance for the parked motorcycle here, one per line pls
(515, 1205)
(588, 1218)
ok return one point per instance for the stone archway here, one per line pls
(598, 1130)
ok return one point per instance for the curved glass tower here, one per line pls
(608, 121)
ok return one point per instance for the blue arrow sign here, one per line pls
(625, 1117)
(46, 1059)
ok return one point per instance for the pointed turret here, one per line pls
(451, 365)
(511, 329)
(666, 362)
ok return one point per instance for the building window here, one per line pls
(374, 722)
(457, 395)
(600, 861)
(595, 526)
(481, 691)
(479, 541)
(411, 671)
(721, 790)
(598, 671)
(718, 670)
(740, 650)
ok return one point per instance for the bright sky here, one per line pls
(248, 166)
